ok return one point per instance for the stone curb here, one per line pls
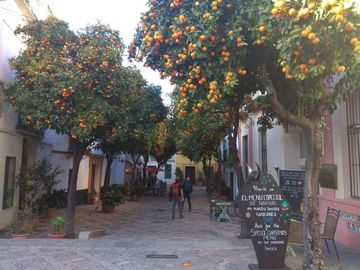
(87, 235)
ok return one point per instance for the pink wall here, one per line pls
(343, 234)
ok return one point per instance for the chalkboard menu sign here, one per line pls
(292, 185)
(267, 214)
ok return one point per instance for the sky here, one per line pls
(122, 15)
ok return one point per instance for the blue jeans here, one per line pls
(176, 201)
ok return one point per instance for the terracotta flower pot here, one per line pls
(56, 235)
(20, 235)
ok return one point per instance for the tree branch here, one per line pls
(283, 114)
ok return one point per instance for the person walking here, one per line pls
(177, 196)
(187, 188)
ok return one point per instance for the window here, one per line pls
(9, 182)
(353, 132)
(167, 171)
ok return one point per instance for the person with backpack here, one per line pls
(187, 188)
(177, 196)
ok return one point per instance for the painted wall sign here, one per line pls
(353, 221)
(267, 214)
(292, 185)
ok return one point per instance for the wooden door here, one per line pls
(190, 172)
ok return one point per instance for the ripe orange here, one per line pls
(312, 61)
(303, 67)
(258, 42)
(199, 105)
(339, 18)
(305, 33)
(340, 69)
(262, 29)
(349, 26)
(292, 12)
(311, 36)
(354, 41)
(202, 37)
(274, 11)
(315, 41)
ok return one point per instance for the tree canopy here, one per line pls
(219, 51)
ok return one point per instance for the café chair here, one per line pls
(331, 221)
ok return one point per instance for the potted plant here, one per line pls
(58, 224)
(35, 181)
(92, 196)
(22, 227)
(114, 196)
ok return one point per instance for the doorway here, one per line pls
(190, 172)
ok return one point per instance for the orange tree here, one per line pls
(130, 87)
(191, 43)
(64, 82)
(163, 145)
(218, 50)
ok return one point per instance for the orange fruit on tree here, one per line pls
(340, 69)
(312, 61)
(274, 11)
(305, 33)
(199, 105)
(339, 18)
(303, 67)
(262, 29)
(311, 36)
(349, 26)
(315, 41)
(292, 12)
(202, 37)
(354, 41)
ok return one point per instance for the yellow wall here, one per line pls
(182, 161)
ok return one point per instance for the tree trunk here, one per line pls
(109, 161)
(313, 132)
(146, 160)
(312, 240)
(133, 175)
(206, 170)
(79, 150)
(233, 151)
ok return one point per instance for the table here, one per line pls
(224, 206)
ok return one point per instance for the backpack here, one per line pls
(187, 187)
(175, 190)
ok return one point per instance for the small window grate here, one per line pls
(161, 256)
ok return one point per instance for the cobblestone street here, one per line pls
(141, 228)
